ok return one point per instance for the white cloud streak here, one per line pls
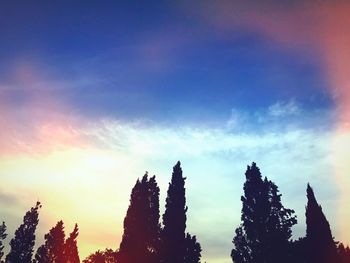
(113, 154)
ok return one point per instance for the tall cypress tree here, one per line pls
(321, 247)
(3, 235)
(53, 249)
(23, 242)
(264, 233)
(174, 219)
(70, 248)
(141, 224)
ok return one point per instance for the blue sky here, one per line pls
(153, 61)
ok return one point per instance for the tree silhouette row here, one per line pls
(264, 235)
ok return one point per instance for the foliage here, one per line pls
(319, 240)
(3, 235)
(174, 219)
(264, 233)
(141, 225)
(192, 249)
(71, 248)
(107, 256)
(23, 243)
(53, 249)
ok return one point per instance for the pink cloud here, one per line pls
(38, 122)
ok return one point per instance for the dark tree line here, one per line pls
(56, 249)
(144, 240)
(264, 235)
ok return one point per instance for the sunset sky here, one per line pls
(95, 93)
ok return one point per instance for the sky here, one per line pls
(95, 93)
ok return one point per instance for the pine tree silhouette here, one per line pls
(321, 247)
(192, 249)
(174, 219)
(23, 242)
(264, 233)
(71, 253)
(3, 235)
(53, 249)
(141, 225)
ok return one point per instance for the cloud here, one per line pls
(284, 109)
(49, 147)
(8, 199)
(313, 28)
(214, 161)
(58, 157)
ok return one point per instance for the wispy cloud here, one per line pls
(58, 157)
(7, 198)
(314, 28)
(214, 159)
(284, 109)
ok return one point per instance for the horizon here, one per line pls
(93, 95)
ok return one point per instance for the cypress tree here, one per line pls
(141, 224)
(70, 248)
(23, 242)
(53, 249)
(321, 247)
(264, 233)
(3, 235)
(174, 219)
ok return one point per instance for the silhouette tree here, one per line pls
(141, 224)
(264, 233)
(3, 235)
(22, 244)
(192, 250)
(53, 249)
(321, 247)
(174, 219)
(107, 256)
(70, 249)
